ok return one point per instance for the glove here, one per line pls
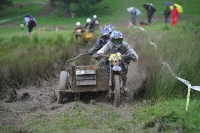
(96, 56)
(129, 58)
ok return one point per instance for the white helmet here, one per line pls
(88, 20)
(78, 23)
(95, 16)
(117, 38)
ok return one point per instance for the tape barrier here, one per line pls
(130, 24)
(197, 88)
(4, 41)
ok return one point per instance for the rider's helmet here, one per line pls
(95, 16)
(110, 27)
(88, 20)
(78, 23)
(116, 38)
(105, 34)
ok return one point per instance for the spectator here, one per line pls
(150, 11)
(167, 14)
(22, 25)
(174, 16)
(133, 16)
(30, 25)
(21, 5)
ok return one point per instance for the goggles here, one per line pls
(119, 40)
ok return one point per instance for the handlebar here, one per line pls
(76, 57)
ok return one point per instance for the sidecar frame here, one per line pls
(86, 78)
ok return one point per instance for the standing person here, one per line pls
(116, 44)
(174, 16)
(166, 14)
(133, 16)
(22, 26)
(30, 25)
(150, 11)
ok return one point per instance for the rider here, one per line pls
(78, 26)
(105, 36)
(94, 20)
(116, 44)
(90, 24)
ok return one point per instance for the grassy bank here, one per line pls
(25, 61)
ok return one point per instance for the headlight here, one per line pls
(115, 63)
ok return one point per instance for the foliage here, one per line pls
(21, 63)
(5, 3)
(81, 5)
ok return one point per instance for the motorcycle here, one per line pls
(115, 66)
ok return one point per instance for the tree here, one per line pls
(5, 3)
(83, 5)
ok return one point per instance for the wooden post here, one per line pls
(39, 31)
(44, 30)
(138, 27)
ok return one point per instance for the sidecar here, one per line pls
(88, 36)
(81, 78)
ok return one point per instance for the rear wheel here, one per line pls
(117, 95)
(62, 85)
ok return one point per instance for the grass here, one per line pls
(146, 116)
(21, 58)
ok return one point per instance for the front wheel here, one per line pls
(117, 95)
(63, 85)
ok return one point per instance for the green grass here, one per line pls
(24, 61)
(161, 116)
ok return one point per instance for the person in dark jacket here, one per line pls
(30, 25)
(150, 11)
(167, 13)
(105, 36)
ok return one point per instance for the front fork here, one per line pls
(111, 90)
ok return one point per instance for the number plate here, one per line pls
(81, 72)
